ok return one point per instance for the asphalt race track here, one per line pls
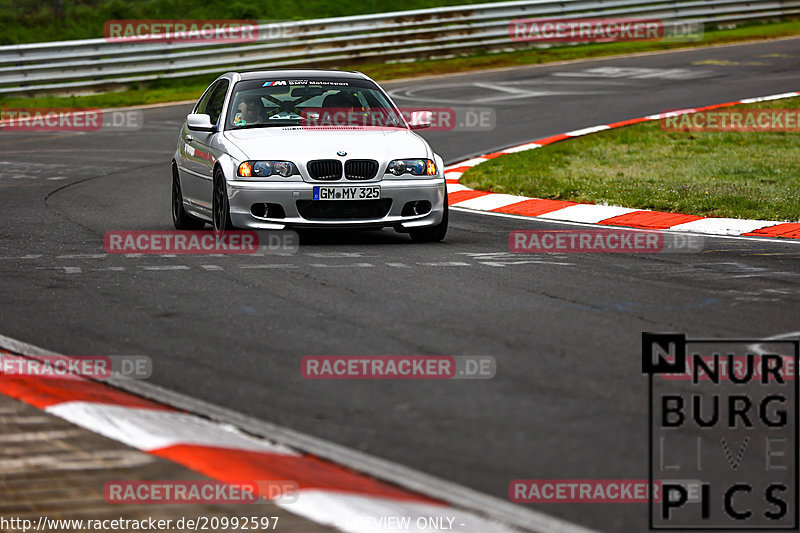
(568, 399)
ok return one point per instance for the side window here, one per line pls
(200, 106)
(216, 98)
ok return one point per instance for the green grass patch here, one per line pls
(732, 174)
(167, 90)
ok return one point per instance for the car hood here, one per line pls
(299, 144)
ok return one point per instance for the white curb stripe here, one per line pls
(767, 98)
(586, 131)
(491, 201)
(590, 213)
(150, 429)
(521, 148)
(455, 187)
(723, 226)
(593, 214)
(472, 162)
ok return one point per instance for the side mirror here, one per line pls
(421, 120)
(199, 122)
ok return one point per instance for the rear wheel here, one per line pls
(435, 233)
(220, 205)
(180, 218)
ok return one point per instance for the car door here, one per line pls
(199, 154)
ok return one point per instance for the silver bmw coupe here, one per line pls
(306, 148)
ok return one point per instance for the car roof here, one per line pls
(303, 73)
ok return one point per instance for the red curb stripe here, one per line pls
(552, 139)
(493, 155)
(534, 207)
(307, 471)
(717, 106)
(223, 464)
(789, 230)
(628, 122)
(649, 219)
(44, 392)
(451, 181)
(457, 169)
(462, 196)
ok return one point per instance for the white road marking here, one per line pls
(398, 265)
(167, 267)
(82, 256)
(336, 254)
(211, 267)
(523, 262)
(268, 266)
(67, 269)
(352, 265)
(636, 73)
(446, 264)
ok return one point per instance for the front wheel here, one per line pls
(220, 205)
(180, 218)
(435, 233)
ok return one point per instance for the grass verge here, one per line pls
(723, 174)
(190, 88)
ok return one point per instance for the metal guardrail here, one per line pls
(93, 63)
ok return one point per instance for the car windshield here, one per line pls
(310, 103)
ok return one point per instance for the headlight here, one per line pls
(416, 167)
(262, 169)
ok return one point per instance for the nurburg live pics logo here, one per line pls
(723, 432)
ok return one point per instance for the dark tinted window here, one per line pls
(216, 99)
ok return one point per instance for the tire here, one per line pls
(180, 218)
(435, 233)
(220, 206)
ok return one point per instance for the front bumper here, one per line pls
(243, 195)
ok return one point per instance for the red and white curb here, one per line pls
(329, 493)
(608, 215)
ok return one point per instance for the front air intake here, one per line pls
(360, 169)
(325, 169)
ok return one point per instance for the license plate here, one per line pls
(346, 193)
